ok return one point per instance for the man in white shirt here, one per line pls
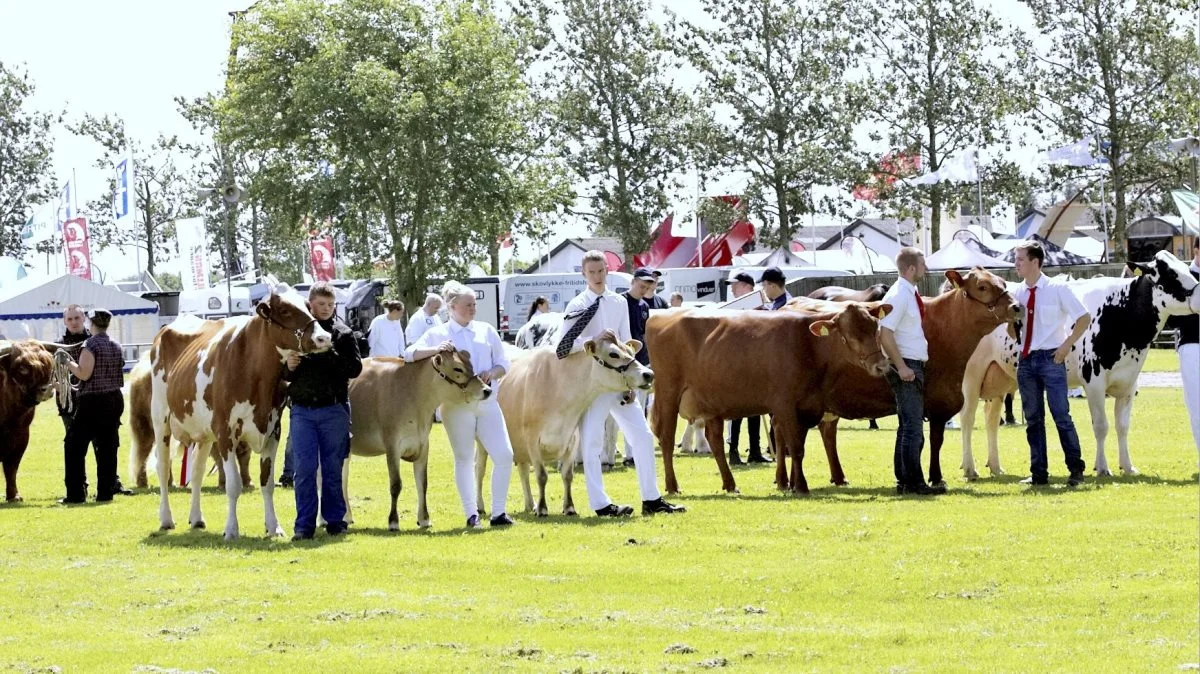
(1050, 307)
(594, 312)
(902, 336)
(386, 334)
(424, 318)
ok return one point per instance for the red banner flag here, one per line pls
(79, 255)
(321, 253)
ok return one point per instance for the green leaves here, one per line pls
(26, 171)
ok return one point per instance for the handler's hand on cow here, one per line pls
(293, 360)
(446, 347)
(607, 333)
(1061, 353)
(906, 373)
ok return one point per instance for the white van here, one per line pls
(487, 297)
(520, 290)
(696, 284)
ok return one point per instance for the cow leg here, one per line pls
(790, 439)
(828, 430)
(567, 471)
(421, 478)
(199, 465)
(540, 467)
(233, 490)
(266, 482)
(527, 492)
(1100, 430)
(394, 486)
(991, 420)
(714, 429)
(244, 468)
(16, 451)
(967, 416)
(481, 458)
(664, 418)
(937, 435)
(162, 446)
(1123, 412)
(782, 480)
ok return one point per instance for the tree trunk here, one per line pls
(494, 258)
(782, 235)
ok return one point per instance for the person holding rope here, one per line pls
(97, 415)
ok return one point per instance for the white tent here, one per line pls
(33, 307)
(958, 255)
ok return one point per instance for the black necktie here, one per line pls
(583, 318)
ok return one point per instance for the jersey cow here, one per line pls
(840, 294)
(391, 407)
(216, 385)
(705, 372)
(543, 399)
(954, 324)
(1127, 314)
(27, 377)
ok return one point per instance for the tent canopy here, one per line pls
(959, 254)
(35, 297)
(1055, 256)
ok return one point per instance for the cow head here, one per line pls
(454, 367)
(26, 372)
(859, 330)
(619, 360)
(293, 326)
(1175, 289)
(990, 299)
(876, 292)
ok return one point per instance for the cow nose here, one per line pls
(322, 340)
(648, 377)
(487, 392)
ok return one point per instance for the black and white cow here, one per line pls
(1127, 314)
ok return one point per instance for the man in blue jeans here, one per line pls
(1049, 308)
(320, 429)
(902, 335)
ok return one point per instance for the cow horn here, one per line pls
(55, 346)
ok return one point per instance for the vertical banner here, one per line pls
(123, 203)
(320, 251)
(66, 207)
(193, 253)
(79, 256)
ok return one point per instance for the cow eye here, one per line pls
(458, 370)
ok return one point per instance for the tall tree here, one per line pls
(779, 69)
(415, 109)
(620, 115)
(162, 189)
(1125, 72)
(948, 76)
(26, 172)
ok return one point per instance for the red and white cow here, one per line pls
(216, 385)
(1127, 314)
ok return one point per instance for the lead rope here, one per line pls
(62, 381)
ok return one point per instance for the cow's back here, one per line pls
(543, 399)
(392, 402)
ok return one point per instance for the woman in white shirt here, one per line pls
(386, 334)
(464, 423)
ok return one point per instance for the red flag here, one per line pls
(892, 167)
(505, 240)
(321, 253)
(79, 255)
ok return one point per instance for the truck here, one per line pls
(519, 291)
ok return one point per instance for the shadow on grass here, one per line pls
(197, 539)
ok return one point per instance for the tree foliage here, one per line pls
(778, 70)
(947, 76)
(1127, 73)
(26, 172)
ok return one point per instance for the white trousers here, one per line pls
(642, 396)
(465, 423)
(1189, 369)
(632, 422)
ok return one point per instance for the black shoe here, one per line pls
(104, 498)
(1075, 480)
(757, 457)
(628, 462)
(659, 505)
(735, 459)
(70, 501)
(501, 520)
(302, 536)
(920, 489)
(473, 522)
(336, 529)
(1032, 481)
(286, 481)
(614, 510)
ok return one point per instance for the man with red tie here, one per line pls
(903, 339)
(1049, 308)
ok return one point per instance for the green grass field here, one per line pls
(993, 577)
(1161, 360)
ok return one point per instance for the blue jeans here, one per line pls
(319, 436)
(910, 436)
(1038, 374)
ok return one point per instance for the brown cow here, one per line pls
(705, 371)
(216, 384)
(841, 294)
(954, 324)
(26, 379)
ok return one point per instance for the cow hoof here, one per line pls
(393, 526)
(996, 472)
(277, 533)
(1104, 473)
(198, 525)
(939, 484)
(843, 483)
(231, 535)
(425, 524)
(166, 526)
(1130, 471)
(14, 499)
(542, 513)
(571, 513)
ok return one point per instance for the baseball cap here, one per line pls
(774, 275)
(647, 273)
(743, 277)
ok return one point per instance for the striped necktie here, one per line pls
(583, 318)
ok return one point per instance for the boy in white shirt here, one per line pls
(599, 311)
(424, 319)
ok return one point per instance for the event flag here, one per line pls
(79, 255)
(193, 253)
(321, 254)
(1078, 153)
(1188, 203)
(123, 194)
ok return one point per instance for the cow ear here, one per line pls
(1138, 269)
(822, 328)
(590, 347)
(954, 278)
(437, 360)
(882, 311)
(263, 309)
(634, 345)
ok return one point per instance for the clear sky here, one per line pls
(133, 57)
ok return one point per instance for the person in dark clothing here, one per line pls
(319, 386)
(97, 416)
(645, 281)
(741, 285)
